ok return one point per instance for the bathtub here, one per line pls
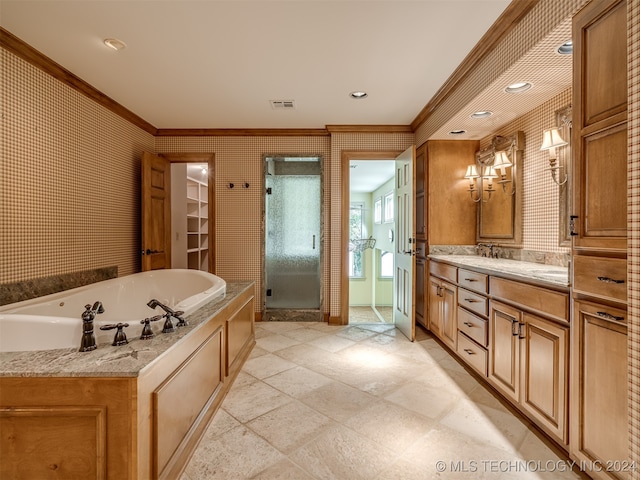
(54, 321)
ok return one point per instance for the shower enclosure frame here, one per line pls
(263, 292)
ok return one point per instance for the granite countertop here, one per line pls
(108, 361)
(539, 273)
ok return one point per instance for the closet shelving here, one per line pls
(197, 224)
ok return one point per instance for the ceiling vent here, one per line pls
(282, 104)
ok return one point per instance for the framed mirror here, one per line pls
(499, 194)
(564, 123)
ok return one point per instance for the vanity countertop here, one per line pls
(538, 273)
(108, 361)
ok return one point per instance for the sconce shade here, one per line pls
(551, 138)
(489, 173)
(472, 172)
(501, 161)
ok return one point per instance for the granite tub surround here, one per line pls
(109, 361)
(39, 287)
(552, 275)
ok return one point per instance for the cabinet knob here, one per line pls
(468, 324)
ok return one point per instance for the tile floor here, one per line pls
(362, 402)
(366, 314)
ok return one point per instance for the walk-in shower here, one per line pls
(293, 243)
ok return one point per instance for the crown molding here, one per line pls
(369, 129)
(511, 16)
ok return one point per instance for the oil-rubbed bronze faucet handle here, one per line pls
(147, 331)
(120, 337)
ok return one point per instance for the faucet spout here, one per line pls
(169, 312)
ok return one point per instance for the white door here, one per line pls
(404, 254)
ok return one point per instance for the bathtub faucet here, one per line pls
(169, 312)
(88, 338)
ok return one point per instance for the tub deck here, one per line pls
(138, 410)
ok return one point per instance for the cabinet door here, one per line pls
(449, 331)
(600, 131)
(544, 374)
(421, 303)
(599, 409)
(504, 349)
(434, 305)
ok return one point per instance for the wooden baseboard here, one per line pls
(258, 316)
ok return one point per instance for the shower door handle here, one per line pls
(313, 243)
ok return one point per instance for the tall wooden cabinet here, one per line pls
(599, 410)
(444, 213)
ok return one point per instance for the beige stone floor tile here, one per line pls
(378, 327)
(253, 400)
(545, 463)
(258, 352)
(332, 343)
(489, 425)
(304, 334)
(283, 470)
(456, 383)
(392, 426)
(237, 454)
(378, 382)
(289, 426)
(274, 342)
(325, 327)
(266, 365)
(461, 456)
(278, 327)
(340, 453)
(404, 470)
(482, 395)
(427, 401)
(338, 401)
(306, 355)
(242, 380)
(356, 333)
(297, 381)
(221, 423)
(387, 343)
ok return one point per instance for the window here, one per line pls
(388, 207)
(356, 233)
(377, 211)
(385, 266)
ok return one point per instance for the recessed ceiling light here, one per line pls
(115, 44)
(457, 132)
(358, 95)
(518, 87)
(481, 114)
(566, 48)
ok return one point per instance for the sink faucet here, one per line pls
(168, 324)
(88, 342)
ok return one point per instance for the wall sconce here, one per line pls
(500, 164)
(471, 175)
(551, 139)
(489, 174)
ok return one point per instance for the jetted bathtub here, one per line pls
(55, 321)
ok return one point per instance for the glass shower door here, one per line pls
(292, 250)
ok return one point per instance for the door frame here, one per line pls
(209, 159)
(345, 160)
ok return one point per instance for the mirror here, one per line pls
(499, 205)
(563, 122)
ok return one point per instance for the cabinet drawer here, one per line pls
(539, 300)
(472, 326)
(474, 302)
(600, 277)
(478, 282)
(473, 354)
(443, 270)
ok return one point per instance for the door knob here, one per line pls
(149, 251)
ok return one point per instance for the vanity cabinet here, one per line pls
(599, 405)
(421, 284)
(473, 309)
(599, 139)
(443, 301)
(529, 364)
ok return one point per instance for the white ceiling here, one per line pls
(218, 63)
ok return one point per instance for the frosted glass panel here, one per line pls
(293, 241)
